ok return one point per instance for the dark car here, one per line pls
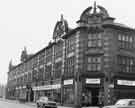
(45, 102)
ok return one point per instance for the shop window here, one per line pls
(57, 95)
(68, 95)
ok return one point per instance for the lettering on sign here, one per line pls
(56, 86)
(47, 87)
(92, 81)
(68, 82)
(126, 82)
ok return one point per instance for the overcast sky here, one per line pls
(31, 23)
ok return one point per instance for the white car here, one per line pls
(123, 103)
(45, 102)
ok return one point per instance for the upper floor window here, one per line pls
(70, 65)
(95, 40)
(58, 69)
(49, 53)
(70, 44)
(94, 63)
(58, 50)
(126, 64)
(41, 58)
(125, 41)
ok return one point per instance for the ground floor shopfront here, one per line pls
(124, 86)
(93, 90)
(64, 93)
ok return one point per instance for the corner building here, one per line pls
(92, 64)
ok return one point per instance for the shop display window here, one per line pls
(68, 95)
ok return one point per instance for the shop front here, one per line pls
(29, 94)
(92, 93)
(92, 89)
(52, 91)
(124, 88)
(68, 92)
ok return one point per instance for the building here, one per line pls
(91, 64)
(2, 91)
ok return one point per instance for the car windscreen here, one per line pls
(122, 102)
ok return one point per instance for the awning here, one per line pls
(124, 75)
(93, 75)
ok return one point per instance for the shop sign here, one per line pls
(34, 88)
(24, 87)
(126, 82)
(111, 85)
(68, 82)
(92, 81)
(56, 86)
(47, 87)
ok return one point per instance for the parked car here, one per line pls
(45, 102)
(123, 103)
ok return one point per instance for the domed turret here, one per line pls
(94, 15)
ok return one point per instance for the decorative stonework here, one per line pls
(24, 55)
(94, 15)
(60, 29)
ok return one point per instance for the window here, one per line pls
(48, 70)
(58, 50)
(125, 41)
(58, 69)
(94, 64)
(68, 95)
(119, 37)
(132, 102)
(95, 40)
(70, 66)
(70, 44)
(126, 64)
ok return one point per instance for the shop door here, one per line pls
(90, 97)
(95, 94)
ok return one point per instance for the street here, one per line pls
(15, 104)
(7, 104)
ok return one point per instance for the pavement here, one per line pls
(34, 104)
(16, 101)
(13, 104)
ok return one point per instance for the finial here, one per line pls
(25, 48)
(10, 65)
(94, 7)
(62, 17)
(10, 62)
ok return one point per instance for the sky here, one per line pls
(30, 23)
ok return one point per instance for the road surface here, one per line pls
(16, 104)
(6, 104)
